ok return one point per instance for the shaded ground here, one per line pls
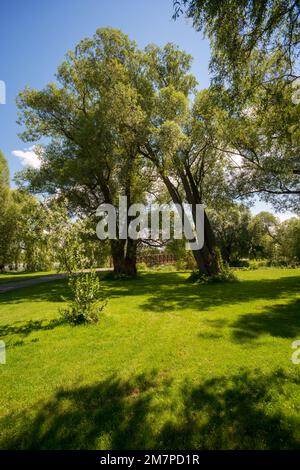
(224, 412)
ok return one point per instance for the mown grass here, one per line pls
(170, 365)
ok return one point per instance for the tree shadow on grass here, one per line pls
(26, 328)
(280, 320)
(230, 413)
(54, 291)
(47, 292)
(221, 413)
(181, 295)
(168, 291)
(112, 412)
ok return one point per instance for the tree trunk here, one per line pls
(117, 253)
(130, 257)
(207, 259)
(124, 256)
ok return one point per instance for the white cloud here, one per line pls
(28, 157)
(285, 216)
(261, 206)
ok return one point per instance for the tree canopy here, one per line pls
(255, 58)
(238, 29)
(119, 118)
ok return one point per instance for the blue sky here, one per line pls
(36, 34)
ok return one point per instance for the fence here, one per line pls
(153, 260)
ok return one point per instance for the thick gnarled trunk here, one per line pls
(124, 257)
(207, 259)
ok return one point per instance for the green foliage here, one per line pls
(147, 120)
(95, 119)
(86, 300)
(142, 266)
(237, 29)
(248, 241)
(33, 233)
(232, 230)
(263, 229)
(263, 138)
(184, 257)
(289, 239)
(9, 248)
(4, 173)
(240, 263)
(25, 228)
(277, 242)
(255, 55)
(96, 104)
(225, 274)
(257, 263)
(7, 216)
(86, 303)
(105, 133)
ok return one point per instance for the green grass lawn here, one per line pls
(170, 365)
(22, 276)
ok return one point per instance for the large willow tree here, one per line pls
(91, 157)
(116, 114)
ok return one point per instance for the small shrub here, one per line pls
(249, 264)
(257, 263)
(86, 303)
(224, 275)
(142, 267)
(240, 263)
(163, 268)
(282, 262)
(186, 263)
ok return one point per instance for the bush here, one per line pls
(225, 275)
(250, 264)
(163, 268)
(186, 263)
(180, 265)
(142, 267)
(86, 303)
(240, 263)
(257, 263)
(282, 262)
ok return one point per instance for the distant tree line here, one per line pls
(33, 232)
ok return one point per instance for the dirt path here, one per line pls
(8, 286)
